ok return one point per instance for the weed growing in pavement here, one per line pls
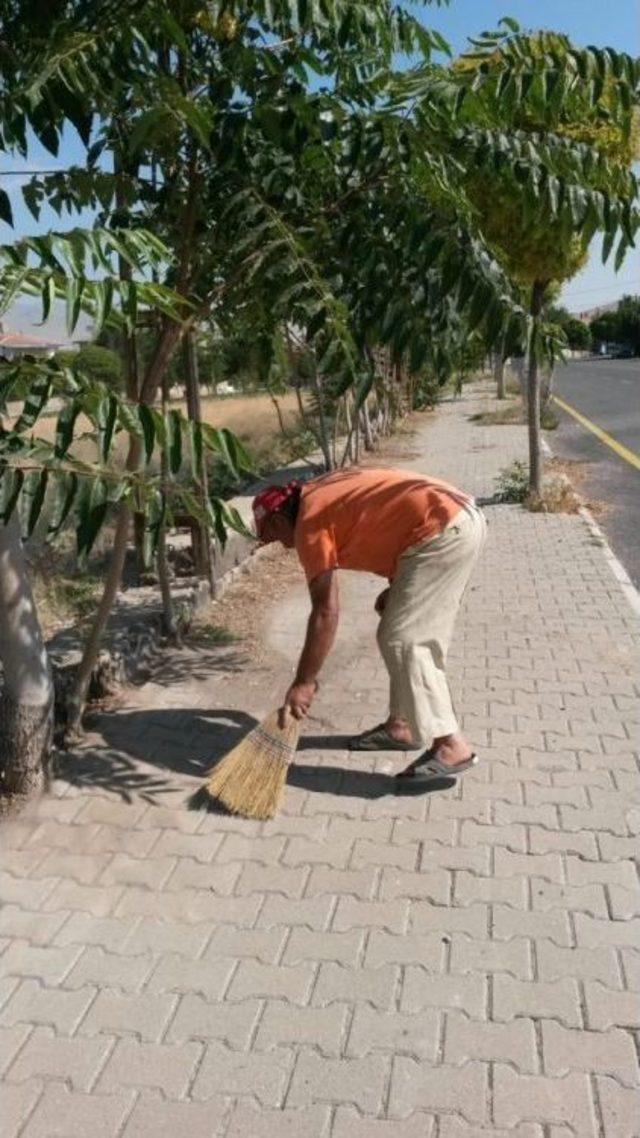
(512, 483)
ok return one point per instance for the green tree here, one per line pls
(548, 138)
(605, 328)
(98, 363)
(578, 334)
(344, 211)
(628, 320)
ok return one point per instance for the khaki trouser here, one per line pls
(417, 624)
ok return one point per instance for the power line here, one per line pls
(31, 173)
(603, 288)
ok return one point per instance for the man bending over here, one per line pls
(424, 536)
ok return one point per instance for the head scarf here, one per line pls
(269, 501)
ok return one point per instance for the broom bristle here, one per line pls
(250, 779)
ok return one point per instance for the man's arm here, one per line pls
(321, 632)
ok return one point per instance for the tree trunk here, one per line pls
(367, 432)
(168, 617)
(533, 393)
(127, 339)
(26, 696)
(498, 374)
(283, 429)
(201, 543)
(347, 454)
(170, 333)
(77, 699)
(325, 445)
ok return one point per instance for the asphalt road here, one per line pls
(607, 392)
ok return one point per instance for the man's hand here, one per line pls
(297, 701)
(381, 601)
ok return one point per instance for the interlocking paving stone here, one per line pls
(620, 1107)
(115, 1013)
(282, 1023)
(47, 1055)
(359, 1081)
(606, 1008)
(303, 1122)
(375, 986)
(360, 966)
(349, 1123)
(18, 1101)
(422, 989)
(418, 1085)
(32, 1003)
(76, 1115)
(402, 1033)
(224, 1072)
(530, 1098)
(165, 1068)
(160, 1118)
(513, 1042)
(611, 1052)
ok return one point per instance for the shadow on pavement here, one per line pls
(184, 741)
(345, 782)
(143, 750)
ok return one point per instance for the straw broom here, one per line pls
(250, 779)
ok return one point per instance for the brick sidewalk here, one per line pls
(440, 966)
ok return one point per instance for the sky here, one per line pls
(613, 24)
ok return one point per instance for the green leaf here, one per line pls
(106, 417)
(35, 489)
(129, 420)
(48, 296)
(147, 422)
(174, 441)
(92, 511)
(621, 251)
(65, 426)
(607, 244)
(75, 289)
(6, 213)
(66, 493)
(35, 403)
(216, 520)
(11, 482)
(234, 521)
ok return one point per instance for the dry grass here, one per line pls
(507, 413)
(252, 418)
(576, 472)
(512, 413)
(63, 597)
(240, 609)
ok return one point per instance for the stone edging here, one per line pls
(617, 568)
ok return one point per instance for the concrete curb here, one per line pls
(617, 568)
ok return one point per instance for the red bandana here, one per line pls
(269, 500)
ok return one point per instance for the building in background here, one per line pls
(16, 344)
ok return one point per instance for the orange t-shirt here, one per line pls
(365, 519)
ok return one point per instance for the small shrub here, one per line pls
(211, 635)
(548, 419)
(512, 483)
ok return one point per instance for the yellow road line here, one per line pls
(629, 456)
